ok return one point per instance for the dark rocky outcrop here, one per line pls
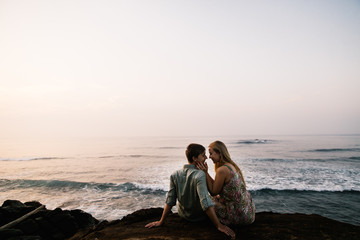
(76, 225)
(266, 226)
(55, 224)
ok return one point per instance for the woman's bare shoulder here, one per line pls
(223, 169)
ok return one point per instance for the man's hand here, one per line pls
(153, 224)
(225, 229)
(166, 211)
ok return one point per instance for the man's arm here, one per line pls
(208, 206)
(164, 215)
(170, 201)
(222, 228)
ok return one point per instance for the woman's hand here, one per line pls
(153, 224)
(202, 166)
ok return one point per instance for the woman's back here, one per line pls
(235, 206)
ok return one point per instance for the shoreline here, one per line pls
(77, 224)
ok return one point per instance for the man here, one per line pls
(188, 186)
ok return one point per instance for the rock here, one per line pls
(7, 233)
(61, 224)
(65, 222)
(46, 227)
(4, 217)
(33, 204)
(26, 238)
(28, 226)
(13, 204)
(13, 209)
(143, 214)
(266, 226)
(83, 219)
(55, 224)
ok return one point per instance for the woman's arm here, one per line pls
(209, 179)
(214, 186)
(210, 183)
(219, 181)
(164, 215)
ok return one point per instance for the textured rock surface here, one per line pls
(267, 226)
(46, 224)
(76, 224)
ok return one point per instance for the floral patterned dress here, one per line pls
(234, 204)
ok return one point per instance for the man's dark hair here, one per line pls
(194, 150)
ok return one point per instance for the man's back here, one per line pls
(188, 185)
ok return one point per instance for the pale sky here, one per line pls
(81, 68)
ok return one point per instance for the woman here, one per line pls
(233, 203)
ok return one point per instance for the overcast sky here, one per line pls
(81, 68)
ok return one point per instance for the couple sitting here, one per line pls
(232, 203)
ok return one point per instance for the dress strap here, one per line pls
(229, 168)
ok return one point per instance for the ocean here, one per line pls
(112, 177)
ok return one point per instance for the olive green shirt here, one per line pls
(188, 186)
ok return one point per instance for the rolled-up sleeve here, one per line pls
(171, 195)
(201, 187)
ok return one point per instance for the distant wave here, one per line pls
(281, 160)
(132, 156)
(335, 150)
(30, 159)
(171, 147)
(105, 156)
(73, 186)
(289, 191)
(272, 160)
(254, 141)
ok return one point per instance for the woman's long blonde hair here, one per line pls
(220, 148)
